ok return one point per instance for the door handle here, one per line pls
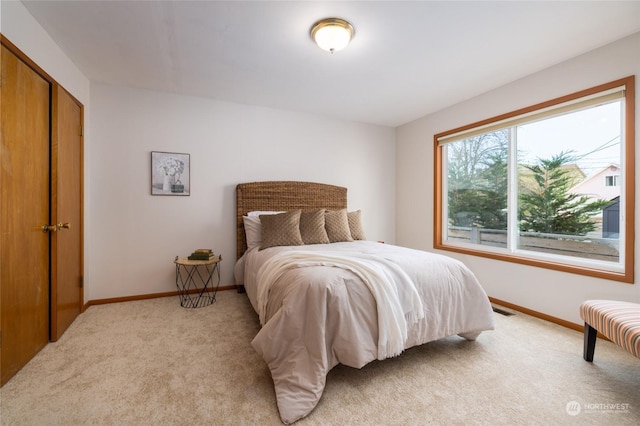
(65, 225)
(49, 228)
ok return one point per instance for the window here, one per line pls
(611, 180)
(528, 186)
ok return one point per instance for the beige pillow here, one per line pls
(281, 229)
(312, 227)
(355, 225)
(337, 225)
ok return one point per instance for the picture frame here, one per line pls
(170, 173)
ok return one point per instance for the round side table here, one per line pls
(194, 280)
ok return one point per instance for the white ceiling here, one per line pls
(407, 59)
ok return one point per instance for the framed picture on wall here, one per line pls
(170, 173)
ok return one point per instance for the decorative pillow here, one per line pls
(253, 231)
(312, 227)
(355, 225)
(281, 229)
(337, 225)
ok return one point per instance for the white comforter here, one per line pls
(320, 311)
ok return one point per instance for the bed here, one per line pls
(338, 298)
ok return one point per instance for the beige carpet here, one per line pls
(154, 363)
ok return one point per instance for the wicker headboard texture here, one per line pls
(283, 196)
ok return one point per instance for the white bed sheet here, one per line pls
(320, 316)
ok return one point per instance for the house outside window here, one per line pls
(528, 186)
(611, 180)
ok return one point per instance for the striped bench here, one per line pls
(617, 321)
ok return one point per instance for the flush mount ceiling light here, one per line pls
(332, 34)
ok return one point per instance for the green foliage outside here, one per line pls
(477, 181)
(477, 190)
(548, 207)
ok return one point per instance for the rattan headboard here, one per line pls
(283, 196)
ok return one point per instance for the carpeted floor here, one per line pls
(153, 362)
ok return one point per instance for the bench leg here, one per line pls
(590, 334)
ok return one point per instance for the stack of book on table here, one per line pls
(202, 254)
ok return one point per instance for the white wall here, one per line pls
(553, 293)
(134, 236)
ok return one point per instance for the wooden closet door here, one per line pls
(66, 201)
(24, 209)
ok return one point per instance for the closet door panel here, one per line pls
(24, 209)
(66, 283)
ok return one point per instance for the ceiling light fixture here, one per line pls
(332, 34)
